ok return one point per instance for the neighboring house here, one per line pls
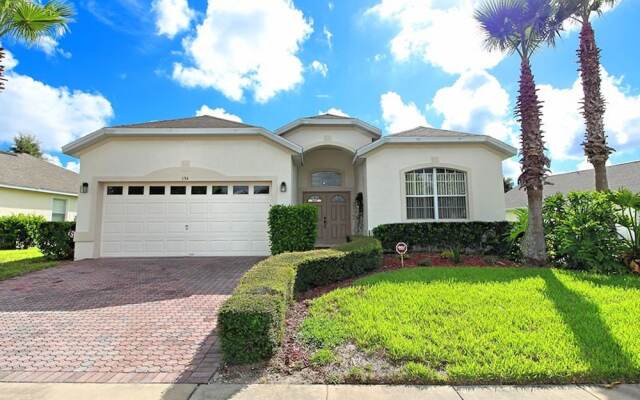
(30, 185)
(625, 175)
(204, 185)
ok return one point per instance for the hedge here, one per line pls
(55, 239)
(19, 231)
(470, 237)
(252, 320)
(292, 228)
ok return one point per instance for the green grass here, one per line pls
(19, 262)
(489, 325)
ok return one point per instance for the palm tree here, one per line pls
(30, 21)
(522, 26)
(593, 104)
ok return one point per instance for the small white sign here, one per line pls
(401, 248)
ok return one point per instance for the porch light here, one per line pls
(283, 187)
(84, 188)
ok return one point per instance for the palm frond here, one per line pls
(29, 21)
(498, 19)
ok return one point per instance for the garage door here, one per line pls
(175, 219)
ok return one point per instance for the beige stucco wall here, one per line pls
(15, 201)
(195, 159)
(385, 168)
(309, 137)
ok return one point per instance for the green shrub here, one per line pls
(252, 320)
(292, 228)
(627, 206)
(470, 237)
(55, 239)
(19, 231)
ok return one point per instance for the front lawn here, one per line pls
(481, 325)
(19, 262)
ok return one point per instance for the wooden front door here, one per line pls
(334, 216)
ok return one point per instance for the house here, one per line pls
(626, 175)
(30, 185)
(204, 185)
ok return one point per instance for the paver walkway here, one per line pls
(116, 320)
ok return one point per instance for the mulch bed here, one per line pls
(392, 261)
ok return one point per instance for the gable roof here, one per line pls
(203, 121)
(423, 131)
(22, 171)
(329, 120)
(625, 175)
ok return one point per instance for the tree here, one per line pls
(522, 26)
(593, 104)
(29, 21)
(508, 184)
(27, 144)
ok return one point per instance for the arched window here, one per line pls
(326, 178)
(436, 193)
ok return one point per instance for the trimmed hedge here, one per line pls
(55, 239)
(470, 237)
(19, 231)
(292, 228)
(252, 320)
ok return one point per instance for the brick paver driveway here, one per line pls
(116, 320)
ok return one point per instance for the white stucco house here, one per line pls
(204, 185)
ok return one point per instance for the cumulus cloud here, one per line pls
(55, 115)
(334, 111)
(70, 165)
(245, 45)
(50, 47)
(218, 112)
(172, 16)
(398, 115)
(430, 29)
(319, 67)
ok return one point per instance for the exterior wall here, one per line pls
(192, 159)
(361, 187)
(385, 168)
(348, 138)
(15, 201)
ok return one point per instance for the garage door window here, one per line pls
(198, 190)
(241, 190)
(219, 190)
(135, 190)
(178, 190)
(156, 190)
(114, 190)
(261, 189)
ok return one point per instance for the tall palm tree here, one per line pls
(593, 104)
(522, 26)
(30, 21)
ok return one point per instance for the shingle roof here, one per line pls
(328, 116)
(625, 175)
(204, 121)
(26, 171)
(423, 131)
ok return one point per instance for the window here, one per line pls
(59, 210)
(241, 190)
(219, 190)
(436, 193)
(326, 178)
(198, 190)
(114, 190)
(338, 199)
(156, 190)
(178, 190)
(261, 189)
(135, 190)
(314, 199)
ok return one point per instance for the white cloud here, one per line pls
(398, 115)
(334, 111)
(328, 36)
(218, 112)
(50, 47)
(330, 5)
(442, 33)
(55, 115)
(9, 61)
(246, 45)
(70, 165)
(319, 67)
(379, 57)
(172, 16)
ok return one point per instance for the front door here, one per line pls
(334, 216)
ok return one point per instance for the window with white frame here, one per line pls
(436, 193)
(59, 210)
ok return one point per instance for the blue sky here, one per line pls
(394, 63)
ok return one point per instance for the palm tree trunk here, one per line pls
(535, 164)
(2, 79)
(593, 106)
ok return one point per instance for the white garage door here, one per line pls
(195, 219)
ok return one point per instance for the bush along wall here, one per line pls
(55, 239)
(292, 228)
(19, 231)
(252, 319)
(470, 237)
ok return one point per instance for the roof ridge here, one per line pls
(591, 169)
(129, 125)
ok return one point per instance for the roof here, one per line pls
(329, 116)
(329, 120)
(204, 121)
(423, 131)
(625, 175)
(23, 171)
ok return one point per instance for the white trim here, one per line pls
(94, 137)
(329, 122)
(504, 148)
(38, 190)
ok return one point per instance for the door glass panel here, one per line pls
(241, 189)
(156, 190)
(314, 199)
(114, 190)
(261, 189)
(219, 189)
(135, 190)
(198, 190)
(178, 190)
(326, 178)
(338, 199)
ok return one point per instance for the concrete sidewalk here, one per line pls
(79, 391)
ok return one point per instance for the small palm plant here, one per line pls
(29, 21)
(627, 206)
(522, 26)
